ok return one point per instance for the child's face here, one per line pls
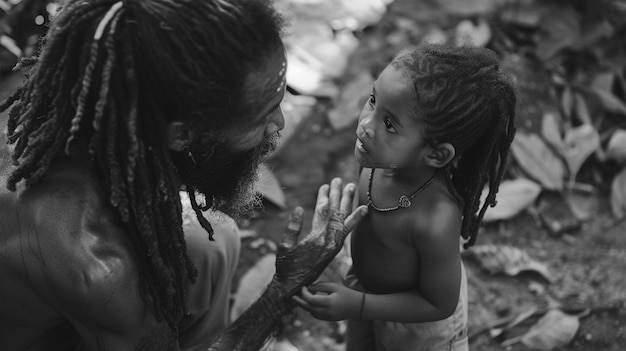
(389, 134)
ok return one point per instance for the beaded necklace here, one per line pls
(403, 202)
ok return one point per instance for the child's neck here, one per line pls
(408, 176)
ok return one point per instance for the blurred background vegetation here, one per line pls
(561, 208)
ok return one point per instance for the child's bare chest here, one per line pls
(384, 255)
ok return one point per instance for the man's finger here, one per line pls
(321, 207)
(335, 194)
(346, 199)
(294, 226)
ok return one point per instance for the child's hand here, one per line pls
(330, 301)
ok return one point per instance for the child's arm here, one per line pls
(440, 281)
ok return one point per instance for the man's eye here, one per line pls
(389, 125)
(372, 100)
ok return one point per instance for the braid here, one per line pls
(83, 89)
(466, 101)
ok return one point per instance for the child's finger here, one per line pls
(322, 287)
(300, 302)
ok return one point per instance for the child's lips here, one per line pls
(360, 146)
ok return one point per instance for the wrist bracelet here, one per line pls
(362, 304)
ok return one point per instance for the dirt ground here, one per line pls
(588, 265)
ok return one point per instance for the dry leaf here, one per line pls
(495, 332)
(582, 110)
(618, 194)
(609, 101)
(513, 197)
(296, 108)
(468, 8)
(533, 155)
(551, 130)
(567, 101)
(270, 188)
(252, 284)
(348, 106)
(554, 329)
(477, 35)
(507, 259)
(580, 143)
(583, 203)
(280, 345)
(561, 29)
(616, 149)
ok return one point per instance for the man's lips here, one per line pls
(360, 146)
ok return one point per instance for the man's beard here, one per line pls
(227, 179)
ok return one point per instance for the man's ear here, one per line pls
(179, 135)
(440, 155)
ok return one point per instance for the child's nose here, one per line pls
(364, 129)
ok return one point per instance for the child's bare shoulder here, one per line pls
(438, 215)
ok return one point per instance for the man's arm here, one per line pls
(297, 264)
(99, 291)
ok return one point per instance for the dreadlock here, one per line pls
(468, 102)
(107, 78)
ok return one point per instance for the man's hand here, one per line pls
(330, 301)
(300, 263)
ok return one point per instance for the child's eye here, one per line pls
(372, 100)
(389, 125)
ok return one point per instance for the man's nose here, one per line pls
(276, 122)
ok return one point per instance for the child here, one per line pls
(436, 128)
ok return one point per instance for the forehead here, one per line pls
(267, 83)
(395, 88)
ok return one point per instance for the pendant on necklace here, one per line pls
(404, 201)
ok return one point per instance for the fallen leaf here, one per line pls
(513, 197)
(567, 101)
(584, 204)
(609, 100)
(474, 34)
(561, 29)
(270, 188)
(348, 106)
(551, 126)
(280, 345)
(252, 284)
(296, 109)
(580, 143)
(468, 8)
(554, 329)
(582, 110)
(533, 155)
(616, 149)
(495, 332)
(507, 259)
(618, 194)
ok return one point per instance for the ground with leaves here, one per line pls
(553, 243)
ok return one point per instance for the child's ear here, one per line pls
(440, 155)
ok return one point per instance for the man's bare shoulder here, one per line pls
(82, 249)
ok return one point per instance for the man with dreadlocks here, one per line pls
(125, 104)
(436, 129)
